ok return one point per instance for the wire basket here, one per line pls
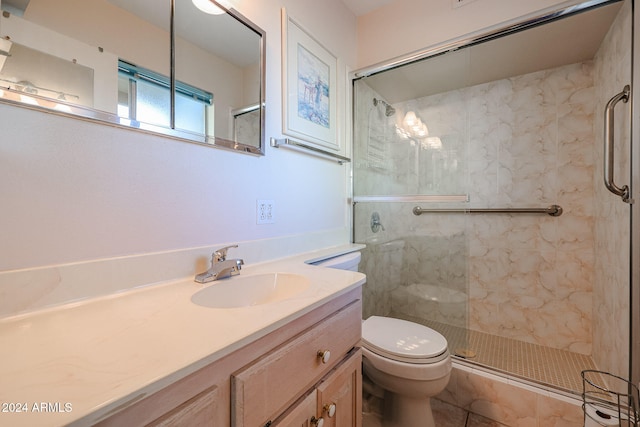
(609, 400)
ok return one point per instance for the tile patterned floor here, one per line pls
(552, 367)
(444, 415)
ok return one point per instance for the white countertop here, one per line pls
(84, 359)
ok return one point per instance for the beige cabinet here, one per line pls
(300, 414)
(284, 378)
(340, 394)
(266, 388)
(335, 401)
(193, 401)
(200, 411)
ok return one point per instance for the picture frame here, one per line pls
(309, 87)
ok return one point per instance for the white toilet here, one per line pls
(411, 362)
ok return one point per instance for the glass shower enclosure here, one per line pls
(478, 171)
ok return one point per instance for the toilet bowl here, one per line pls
(410, 362)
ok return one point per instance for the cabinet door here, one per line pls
(343, 389)
(167, 408)
(301, 414)
(266, 388)
(199, 411)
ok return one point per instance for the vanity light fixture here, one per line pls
(28, 100)
(26, 87)
(433, 142)
(208, 7)
(412, 127)
(62, 107)
(410, 119)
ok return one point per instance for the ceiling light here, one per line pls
(208, 7)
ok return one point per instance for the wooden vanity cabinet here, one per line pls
(264, 389)
(278, 379)
(198, 411)
(340, 394)
(336, 399)
(301, 414)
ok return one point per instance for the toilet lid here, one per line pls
(402, 340)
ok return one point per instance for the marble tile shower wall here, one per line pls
(382, 264)
(522, 141)
(434, 266)
(611, 285)
(531, 276)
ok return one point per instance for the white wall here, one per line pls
(405, 26)
(73, 190)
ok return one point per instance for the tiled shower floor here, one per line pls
(558, 369)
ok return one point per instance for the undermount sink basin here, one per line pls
(246, 291)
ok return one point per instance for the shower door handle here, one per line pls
(609, 116)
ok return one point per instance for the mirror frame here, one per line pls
(40, 103)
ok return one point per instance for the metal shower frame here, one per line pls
(534, 20)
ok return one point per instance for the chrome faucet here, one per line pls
(221, 267)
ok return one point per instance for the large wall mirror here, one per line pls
(189, 69)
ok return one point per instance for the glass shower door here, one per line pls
(407, 156)
(531, 260)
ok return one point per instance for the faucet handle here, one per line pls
(236, 270)
(221, 254)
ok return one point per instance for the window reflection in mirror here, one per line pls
(144, 95)
(113, 57)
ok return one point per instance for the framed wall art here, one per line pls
(309, 87)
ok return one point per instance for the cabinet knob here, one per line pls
(324, 355)
(330, 409)
(317, 422)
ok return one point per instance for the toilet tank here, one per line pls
(348, 261)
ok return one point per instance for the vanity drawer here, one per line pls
(267, 387)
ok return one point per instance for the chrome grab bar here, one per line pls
(609, 116)
(553, 210)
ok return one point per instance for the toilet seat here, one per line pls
(403, 341)
(433, 371)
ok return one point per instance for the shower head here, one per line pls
(388, 109)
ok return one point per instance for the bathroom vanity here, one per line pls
(313, 359)
(152, 356)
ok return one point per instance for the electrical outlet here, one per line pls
(265, 212)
